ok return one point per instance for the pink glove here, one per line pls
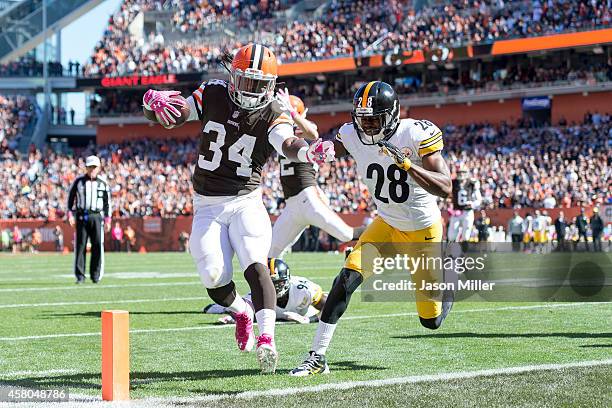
(164, 106)
(321, 151)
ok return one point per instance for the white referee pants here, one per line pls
(309, 207)
(223, 226)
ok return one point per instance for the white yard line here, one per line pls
(30, 373)
(22, 267)
(78, 400)
(99, 286)
(97, 302)
(357, 317)
(126, 285)
(347, 385)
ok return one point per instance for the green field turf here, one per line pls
(49, 337)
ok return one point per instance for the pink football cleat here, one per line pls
(266, 354)
(244, 331)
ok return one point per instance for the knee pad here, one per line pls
(211, 276)
(432, 323)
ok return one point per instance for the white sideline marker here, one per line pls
(356, 317)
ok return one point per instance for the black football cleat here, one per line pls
(314, 364)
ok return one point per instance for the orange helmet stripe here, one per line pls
(364, 101)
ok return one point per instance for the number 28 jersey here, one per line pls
(234, 143)
(400, 201)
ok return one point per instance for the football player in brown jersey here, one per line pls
(239, 132)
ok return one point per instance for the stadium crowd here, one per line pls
(16, 112)
(335, 88)
(517, 165)
(29, 67)
(346, 28)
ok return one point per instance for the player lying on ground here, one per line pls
(297, 299)
(305, 203)
(239, 133)
(404, 182)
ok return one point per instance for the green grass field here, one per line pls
(561, 353)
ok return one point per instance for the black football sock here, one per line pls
(339, 296)
(223, 295)
(263, 294)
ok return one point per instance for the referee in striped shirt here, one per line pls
(89, 208)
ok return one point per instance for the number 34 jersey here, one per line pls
(234, 143)
(400, 201)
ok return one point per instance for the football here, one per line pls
(185, 111)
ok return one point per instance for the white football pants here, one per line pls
(309, 207)
(224, 225)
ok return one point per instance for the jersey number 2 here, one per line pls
(395, 182)
(240, 152)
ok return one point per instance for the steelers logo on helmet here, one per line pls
(279, 272)
(376, 112)
(253, 76)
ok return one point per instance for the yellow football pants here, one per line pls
(429, 305)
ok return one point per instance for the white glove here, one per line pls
(226, 320)
(282, 103)
(296, 317)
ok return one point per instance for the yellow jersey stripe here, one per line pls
(317, 297)
(439, 138)
(431, 138)
(272, 260)
(431, 149)
(364, 101)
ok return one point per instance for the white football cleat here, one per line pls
(266, 354)
(245, 338)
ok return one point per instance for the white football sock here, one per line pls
(266, 318)
(240, 306)
(323, 336)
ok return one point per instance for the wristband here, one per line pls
(406, 164)
(302, 154)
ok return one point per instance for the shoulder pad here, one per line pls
(216, 82)
(344, 130)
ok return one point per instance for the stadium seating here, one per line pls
(16, 113)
